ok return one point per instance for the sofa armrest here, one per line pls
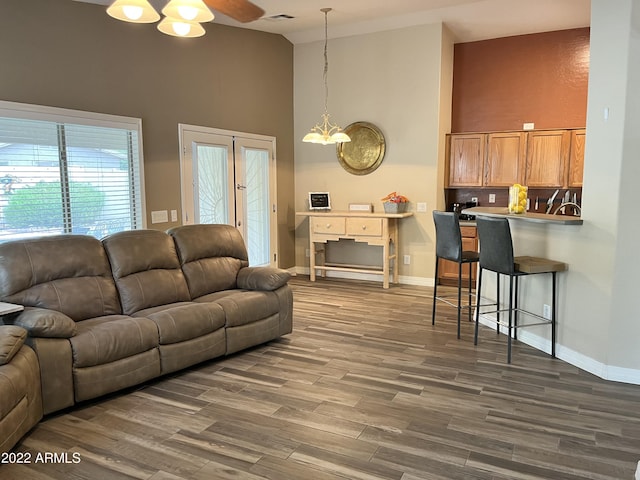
(44, 323)
(11, 340)
(262, 278)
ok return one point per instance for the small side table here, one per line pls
(380, 229)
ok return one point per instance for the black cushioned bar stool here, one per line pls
(449, 247)
(496, 254)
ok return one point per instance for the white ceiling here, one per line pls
(469, 20)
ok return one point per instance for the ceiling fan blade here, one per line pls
(241, 10)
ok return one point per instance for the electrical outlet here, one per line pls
(492, 198)
(407, 259)
(546, 311)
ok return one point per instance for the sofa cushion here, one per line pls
(11, 340)
(106, 339)
(187, 321)
(146, 269)
(242, 307)
(211, 256)
(67, 273)
(40, 322)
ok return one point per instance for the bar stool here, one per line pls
(449, 247)
(496, 254)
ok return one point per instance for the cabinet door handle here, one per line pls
(328, 225)
(364, 227)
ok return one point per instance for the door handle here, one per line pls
(241, 187)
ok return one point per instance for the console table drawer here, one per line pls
(332, 225)
(359, 226)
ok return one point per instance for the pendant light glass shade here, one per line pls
(135, 11)
(326, 133)
(180, 28)
(190, 10)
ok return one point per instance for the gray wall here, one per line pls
(73, 55)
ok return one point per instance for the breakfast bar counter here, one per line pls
(525, 217)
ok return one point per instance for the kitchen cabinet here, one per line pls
(576, 158)
(448, 271)
(547, 158)
(537, 158)
(505, 163)
(466, 156)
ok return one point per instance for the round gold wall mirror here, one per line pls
(365, 152)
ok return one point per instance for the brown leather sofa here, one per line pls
(105, 315)
(20, 396)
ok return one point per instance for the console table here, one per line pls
(371, 228)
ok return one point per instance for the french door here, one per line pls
(229, 177)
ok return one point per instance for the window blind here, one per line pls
(65, 171)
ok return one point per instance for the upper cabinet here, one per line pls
(576, 158)
(505, 159)
(536, 158)
(547, 158)
(466, 160)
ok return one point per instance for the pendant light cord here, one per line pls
(326, 61)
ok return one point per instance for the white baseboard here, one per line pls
(606, 372)
(372, 277)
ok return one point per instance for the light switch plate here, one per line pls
(159, 216)
(174, 215)
(421, 206)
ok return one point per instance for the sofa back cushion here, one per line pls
(146, 269)
(211, 256)
(67, 273)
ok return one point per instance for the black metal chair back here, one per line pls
(496, 251)
(448, 236)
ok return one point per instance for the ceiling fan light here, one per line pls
(135, 11)
(187, 13)
(180, 28)
(132, 12)
(189, 10)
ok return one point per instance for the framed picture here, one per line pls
(319, 201)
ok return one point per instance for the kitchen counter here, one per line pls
(525, 217)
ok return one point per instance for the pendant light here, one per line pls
(135, 11)
(326, 133)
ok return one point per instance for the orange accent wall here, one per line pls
(540, 78)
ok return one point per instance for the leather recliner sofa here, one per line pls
(105, 315)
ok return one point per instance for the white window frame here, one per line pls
(77, 117)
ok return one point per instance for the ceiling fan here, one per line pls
(241, 10)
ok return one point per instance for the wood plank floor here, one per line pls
(364, 388)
